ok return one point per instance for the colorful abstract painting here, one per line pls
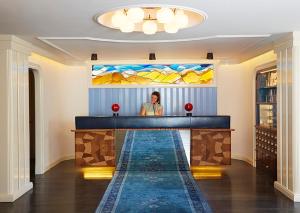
(155, 74)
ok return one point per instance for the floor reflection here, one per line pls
(207, 172)
(98, 173)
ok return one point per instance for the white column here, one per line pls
(296, 116)
(14, 118)
(288, 116)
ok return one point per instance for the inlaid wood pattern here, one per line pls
(210, 147)
(95, 148)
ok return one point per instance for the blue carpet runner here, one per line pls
(153, 175)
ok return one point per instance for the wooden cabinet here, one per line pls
(266, 150)
(266, 121)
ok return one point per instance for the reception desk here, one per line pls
(95, 137)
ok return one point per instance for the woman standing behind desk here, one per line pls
(154, 108)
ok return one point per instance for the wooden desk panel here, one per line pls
(95, 148)
(210, 147)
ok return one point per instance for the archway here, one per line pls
(38, 112)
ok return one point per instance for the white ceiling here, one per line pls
(232, 29)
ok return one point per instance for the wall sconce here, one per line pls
(210, 56)
(152, 56)
(94, 57)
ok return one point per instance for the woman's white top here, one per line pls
(151, 108)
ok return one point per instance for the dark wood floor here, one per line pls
(62, 189)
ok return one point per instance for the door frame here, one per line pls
(258, 68)
(39, 119)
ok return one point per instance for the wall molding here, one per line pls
(283, 42)
(14, 43)
(285, 191)
(17, 194)
(242, 158)
(44, 39)
(297, 198)
(59, 160)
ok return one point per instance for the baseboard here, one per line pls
(288, 193)
(59, 161)
(16, 195)
(297, 198)
(242, 158)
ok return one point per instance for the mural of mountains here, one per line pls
(155, 74)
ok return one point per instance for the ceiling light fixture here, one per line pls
(151, 20)
(171, 27)
(127, 26)
(136, 15)
(164, 15)
(149, 27)
(117, 18)
(181, 19)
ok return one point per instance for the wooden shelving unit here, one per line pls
(266, 121)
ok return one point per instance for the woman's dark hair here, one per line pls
(157, 94)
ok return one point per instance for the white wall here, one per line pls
(236, 98)
(65, 92)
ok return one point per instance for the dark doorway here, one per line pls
(32, 123)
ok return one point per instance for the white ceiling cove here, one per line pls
(233, 28)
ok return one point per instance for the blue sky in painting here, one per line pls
(150, 67)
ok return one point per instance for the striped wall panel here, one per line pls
(130, 100)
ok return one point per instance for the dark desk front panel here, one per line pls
(140, 122)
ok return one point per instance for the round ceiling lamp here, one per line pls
(117, 18)
(151, 19)
(127, 26)
(181, 19)
(165, 15)
(149, 27)
(171, 27)
(136, 15)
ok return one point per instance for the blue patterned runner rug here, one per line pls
(153, 176)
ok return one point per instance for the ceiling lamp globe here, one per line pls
(149, 27)
(171, 27)
(99, 19)
(165, 15)
(136, 15)
(127, 26)
(181, 19)
(118, 18)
